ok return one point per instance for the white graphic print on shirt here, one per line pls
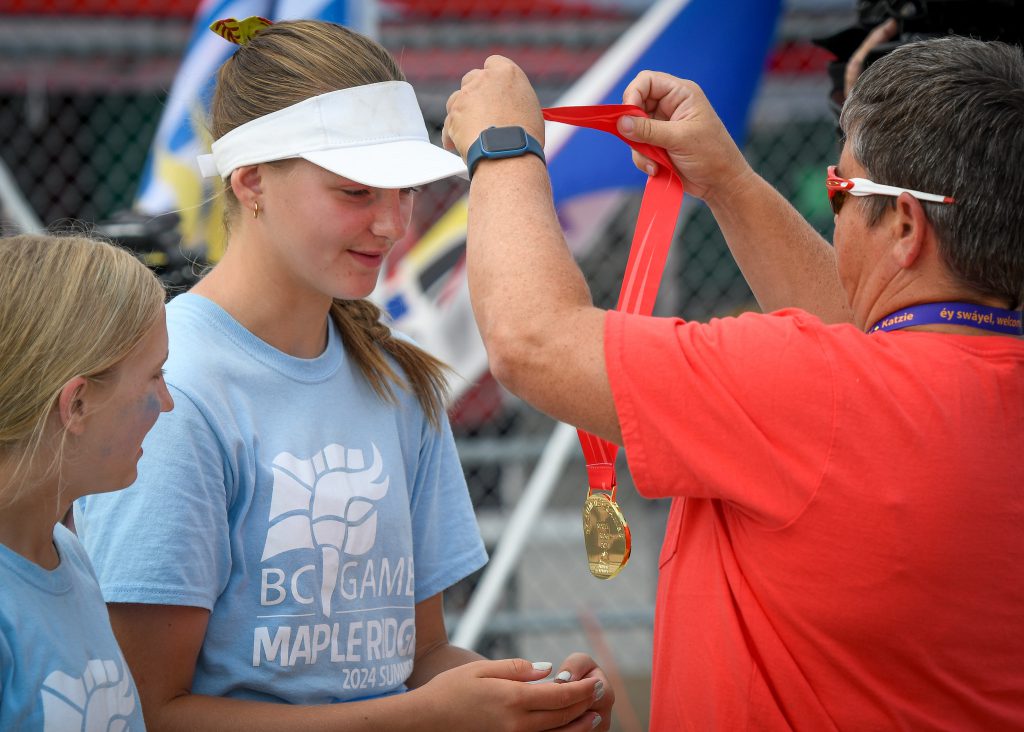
(102, 699)
(326, 506)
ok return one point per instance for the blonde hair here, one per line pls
(69, 306)
(282, 65)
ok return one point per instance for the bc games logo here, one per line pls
(326, 503)
(102, 700)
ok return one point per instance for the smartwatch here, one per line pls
(502, 142)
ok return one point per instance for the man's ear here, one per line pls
(71, 405)
(911, 230)
(247, 184)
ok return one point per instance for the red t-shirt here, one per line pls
(849, 553)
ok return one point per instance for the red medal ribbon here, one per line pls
(659, 211)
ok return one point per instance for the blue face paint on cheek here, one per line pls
(143, 413)
(151, 409)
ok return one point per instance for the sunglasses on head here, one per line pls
(839, 188)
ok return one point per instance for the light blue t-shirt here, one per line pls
(284, 495)
(60, 667)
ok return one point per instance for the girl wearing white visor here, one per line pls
(300, 513)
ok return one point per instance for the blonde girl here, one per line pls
(299, 515)
(82, 342)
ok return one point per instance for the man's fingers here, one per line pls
(657, 93)
(644, 129)
(446, 141)
(638, 92)
(496, 61)
(644, 163)
(649, 90)
(468, 76)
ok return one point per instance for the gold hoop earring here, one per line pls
(255, 209)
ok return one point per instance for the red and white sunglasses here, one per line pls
(838, 188)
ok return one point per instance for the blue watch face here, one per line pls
(503, 139)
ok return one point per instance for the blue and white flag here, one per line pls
(171, 180)
(720, 44)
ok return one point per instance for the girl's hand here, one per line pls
(495, 696)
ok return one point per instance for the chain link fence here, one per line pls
(80, 98)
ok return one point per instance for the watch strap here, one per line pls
(477, 151)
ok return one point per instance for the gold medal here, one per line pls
(606, 535)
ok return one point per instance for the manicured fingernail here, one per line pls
(626, 123)
(563, 677)
(542, 666)
(651, 170)
(598, 690)
(597, 721)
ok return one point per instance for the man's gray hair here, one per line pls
(946, 116)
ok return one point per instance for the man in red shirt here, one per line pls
(845, 545)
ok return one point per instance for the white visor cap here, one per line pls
(372, 134)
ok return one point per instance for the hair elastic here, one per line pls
(239, 32)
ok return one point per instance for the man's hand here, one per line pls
(684, 123)
(497, 95)
(784, 260)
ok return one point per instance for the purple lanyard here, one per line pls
(996, 320)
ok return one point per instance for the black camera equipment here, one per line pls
(986, 20)
(157, 242)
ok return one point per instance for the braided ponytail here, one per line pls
(367, 340)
